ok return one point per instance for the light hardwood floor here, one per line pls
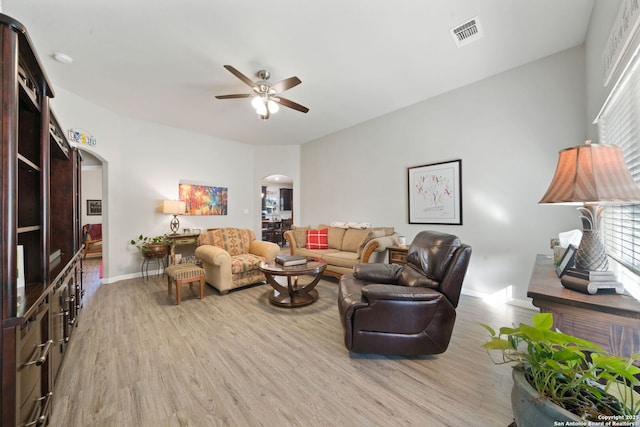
(137, 359)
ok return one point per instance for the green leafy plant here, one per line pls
(574, 373)
(143, 242)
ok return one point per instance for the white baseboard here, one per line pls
(526, 303)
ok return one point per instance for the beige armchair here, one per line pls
(231, 257)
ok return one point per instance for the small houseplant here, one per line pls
(575, 374)
(155, 246)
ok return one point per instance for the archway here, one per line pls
(94, 173)
(276, 213)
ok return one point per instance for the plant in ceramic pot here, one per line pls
(155, 246)
(563, 372)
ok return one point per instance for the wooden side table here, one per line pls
(184, 244)
(610, 320)
(398, 254)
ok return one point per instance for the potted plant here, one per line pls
(155, 246)
(559, 378)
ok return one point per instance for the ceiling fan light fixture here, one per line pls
(266, 97)
(262, 111)
(257, 102)
(273, 106)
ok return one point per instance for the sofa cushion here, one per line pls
(352, 239)
(245, 262)
(317, 239)
(236, 241)
(315, 253)
(300, 235)
(341, 258)
(335, 235)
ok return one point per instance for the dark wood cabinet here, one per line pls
(286, 199)
(39, 219)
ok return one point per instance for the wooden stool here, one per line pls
(184, 273)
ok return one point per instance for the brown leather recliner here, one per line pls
(406, 310)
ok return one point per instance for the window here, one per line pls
(619, 123)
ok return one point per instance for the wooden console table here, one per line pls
(610, 320)
(184, 244)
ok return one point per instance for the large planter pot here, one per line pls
(154, 251)
(532, 410)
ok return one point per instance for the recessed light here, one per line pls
(62, 58)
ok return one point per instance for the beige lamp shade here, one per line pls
(592, 173)
(174, 207)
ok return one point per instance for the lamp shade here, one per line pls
(592, 173)
(174, 207)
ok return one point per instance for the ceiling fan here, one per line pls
(265, 95)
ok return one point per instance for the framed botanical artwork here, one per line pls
(435, 193)
(94, 207)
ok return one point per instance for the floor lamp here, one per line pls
(591, 175)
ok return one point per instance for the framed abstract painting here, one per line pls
(435, 193)
(203, 199)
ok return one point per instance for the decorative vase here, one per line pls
(532, 410)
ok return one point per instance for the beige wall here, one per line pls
(507, 130)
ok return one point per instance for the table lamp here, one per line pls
(591, 175)
(175, 208)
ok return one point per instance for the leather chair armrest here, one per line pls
(213, 255)
(267, 250)
(377, 273)
(399, 293)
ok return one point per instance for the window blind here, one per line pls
(619, 124)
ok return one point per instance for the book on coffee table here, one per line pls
(289, 260)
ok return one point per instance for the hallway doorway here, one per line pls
(276, 214)
(93, 201)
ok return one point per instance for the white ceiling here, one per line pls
(162, 60)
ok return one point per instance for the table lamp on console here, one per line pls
(591, 175)
(175, 208)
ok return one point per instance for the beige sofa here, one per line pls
(231, 256)
(347, 246)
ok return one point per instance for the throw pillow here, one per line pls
(300, 234)
(317, 239)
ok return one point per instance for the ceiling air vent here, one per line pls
(468, 32)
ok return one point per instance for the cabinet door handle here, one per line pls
(43, 356)
(44, 409)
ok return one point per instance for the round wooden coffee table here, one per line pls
(295, 293)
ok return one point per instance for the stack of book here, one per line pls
(288, 261)
(589, 282)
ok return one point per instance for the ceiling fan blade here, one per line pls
(286, 84)
(290, 104)
(239, 75)
(234, 96)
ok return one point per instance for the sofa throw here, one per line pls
(317, 239)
